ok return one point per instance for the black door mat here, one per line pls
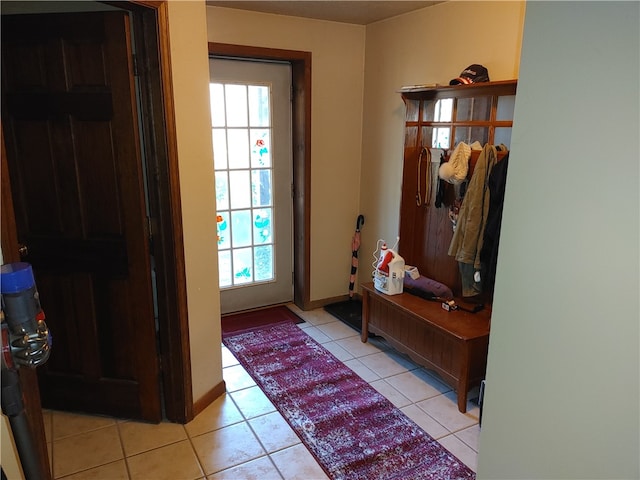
(349, 312)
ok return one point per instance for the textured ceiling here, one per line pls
(356, 12)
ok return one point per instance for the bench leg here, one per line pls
(463, 382)
(462, 399)
(365, 317)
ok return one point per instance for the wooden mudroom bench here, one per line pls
(454, 344)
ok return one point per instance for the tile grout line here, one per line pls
(195, 451)
(409, 366)
(246, 420)
(403, 361)
(124, 452)
(414, 367)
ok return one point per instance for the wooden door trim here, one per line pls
(151, 23)
(150, 18)
(301, 136)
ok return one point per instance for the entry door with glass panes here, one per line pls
(251, 127)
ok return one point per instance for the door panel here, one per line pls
(251, 113)
(70, 122)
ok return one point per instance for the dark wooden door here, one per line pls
(71, 133)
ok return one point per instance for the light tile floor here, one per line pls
(241, 436)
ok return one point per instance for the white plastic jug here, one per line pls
(388, 277)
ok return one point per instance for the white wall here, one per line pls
(432, 45)
(9, 458)
(336, 126)
(190, 74)
(562, 395)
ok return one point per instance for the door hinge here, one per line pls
(293, 190)
(150, 233)
(134, 60)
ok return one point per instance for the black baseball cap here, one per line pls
(472, 74)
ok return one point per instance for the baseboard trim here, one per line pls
(208, 398)
(327, 301)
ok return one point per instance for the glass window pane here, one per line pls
(240, 189)
(264, 263)
(260, 148)
(444, 109)
(224, 268)
(469, 135)
(411, 114)
(262, 226)
(216, 91)
(441, 137)
(238, 145)
(259, 114)
(506, 106)
(222, 190)
(410, 135)
(480, 134)
(224, 234)
(427, 137)
(464, 109)
(242, 266)
(462, 135)
(241, 228)
(261, 188)
(476, 109)
(236, 102)
(503, 135)
(219, 148)
(244, 236)
(428, 110)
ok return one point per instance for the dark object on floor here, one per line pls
(237, 322)
(349, 312)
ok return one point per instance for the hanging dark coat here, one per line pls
(489, 252)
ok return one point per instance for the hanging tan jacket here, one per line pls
(466, 243)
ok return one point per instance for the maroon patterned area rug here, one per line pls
(240, 322)
(353, 431)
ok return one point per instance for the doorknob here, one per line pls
(23, 250)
